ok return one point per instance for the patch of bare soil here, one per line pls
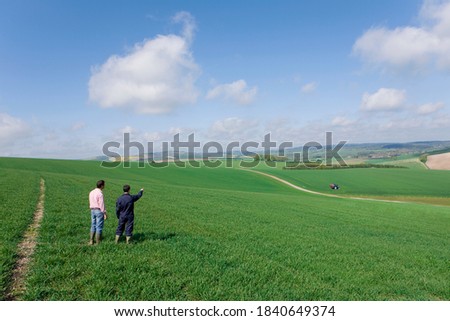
(440, 161)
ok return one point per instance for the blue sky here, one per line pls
(77, 74)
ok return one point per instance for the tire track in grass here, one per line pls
(325, 194)
(26, 249)
(360, 198)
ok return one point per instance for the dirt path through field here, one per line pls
(26, 249)
(324, 194)
(440, 161)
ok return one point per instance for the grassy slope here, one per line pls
(20, 192)
(224, 234)
(402, 184)
(409, 161)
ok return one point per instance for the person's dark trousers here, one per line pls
(126, 222)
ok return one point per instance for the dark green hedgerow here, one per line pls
(319, 166)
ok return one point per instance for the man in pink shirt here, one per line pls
(98, 212)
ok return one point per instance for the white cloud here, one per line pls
(168, 135)
(237, 92)
(443, 121)
(309, 87)
(410, 46)
(78, 126)
(12, 129)
(188, 22)
(233, 128)
(155, 77)
(342, 121)
(144, 137)
(385, 99)
(430, 108)
(402, 124)
(152, 136)
(128, 130)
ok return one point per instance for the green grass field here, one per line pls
(20, 192)
(405, 184)
(230, 234)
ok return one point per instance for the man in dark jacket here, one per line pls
(125, 212)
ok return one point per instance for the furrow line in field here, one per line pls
(26, 249)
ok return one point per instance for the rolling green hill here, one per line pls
(230, 234)
(408, 184)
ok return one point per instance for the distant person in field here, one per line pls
(125, 213)
(98, 212)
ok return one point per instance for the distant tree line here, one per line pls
(270, 158)
(315, 165)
